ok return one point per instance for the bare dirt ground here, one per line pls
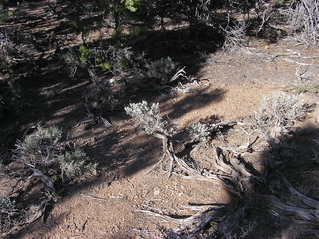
(115, 202)
(230, 87)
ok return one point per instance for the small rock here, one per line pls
(157, 191)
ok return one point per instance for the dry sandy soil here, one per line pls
(229, 86)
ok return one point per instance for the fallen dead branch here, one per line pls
(197, 158)
(36, 213)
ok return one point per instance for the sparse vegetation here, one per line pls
(238, 176)
(281, 109)
(161, 70)
(302, 88)
(198, 132)
(148, 117)
(235, 36)
(304, 20)
(61, 62)
(40, 150)
(8, 213)
(44, 150)
(74, 164)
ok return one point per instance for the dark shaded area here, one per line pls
(51, 97)
(271, 208)
(291, 157)
(187, 104)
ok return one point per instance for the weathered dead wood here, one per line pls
(47, 182)
(226, 165)
(298, 214)
(210, 163)
(302, 198)
(179, 73)
(38, 213)
(168, 152)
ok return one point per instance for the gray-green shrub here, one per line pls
(7, 213)
(148, 117)
(44, 150)
(281, 109)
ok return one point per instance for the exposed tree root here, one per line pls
(228, 221)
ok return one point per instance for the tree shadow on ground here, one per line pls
(192, 102)
(282, 202)
(55, 99)
(275, 209)
(184, 46)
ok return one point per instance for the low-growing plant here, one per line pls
(110, 59)
(302, 88)
(44, 150)
(161, 70)
(100, 98)
(74, 164)
(148, 117)
(235, 36)
(198, 132)
(15, 47)
(8, 212)
(84, 53)
(40, 150)
(281, 109)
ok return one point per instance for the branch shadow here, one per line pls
(291, 157)
(53, 99)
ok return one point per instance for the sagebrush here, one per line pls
(44, 150)
(8, 212)
(148, 117)
(281, 109)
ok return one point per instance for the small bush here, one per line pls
(15, 47)
(148, 117)
(100, 98)
(8, 212)
(11, 98)
(84, 53)
(198, 132)
(44, 150)
(111, 59)
(161, 70)
(304, 20)
(74, 164)
(40, 150)
(281, 109)
(235, 36)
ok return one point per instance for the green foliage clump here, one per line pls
(106, 66)
(302, 88)
(109, 58)
(131, 5)
(73, 164)
(84, 53)
(4, 13)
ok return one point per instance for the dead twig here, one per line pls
(95, 198)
